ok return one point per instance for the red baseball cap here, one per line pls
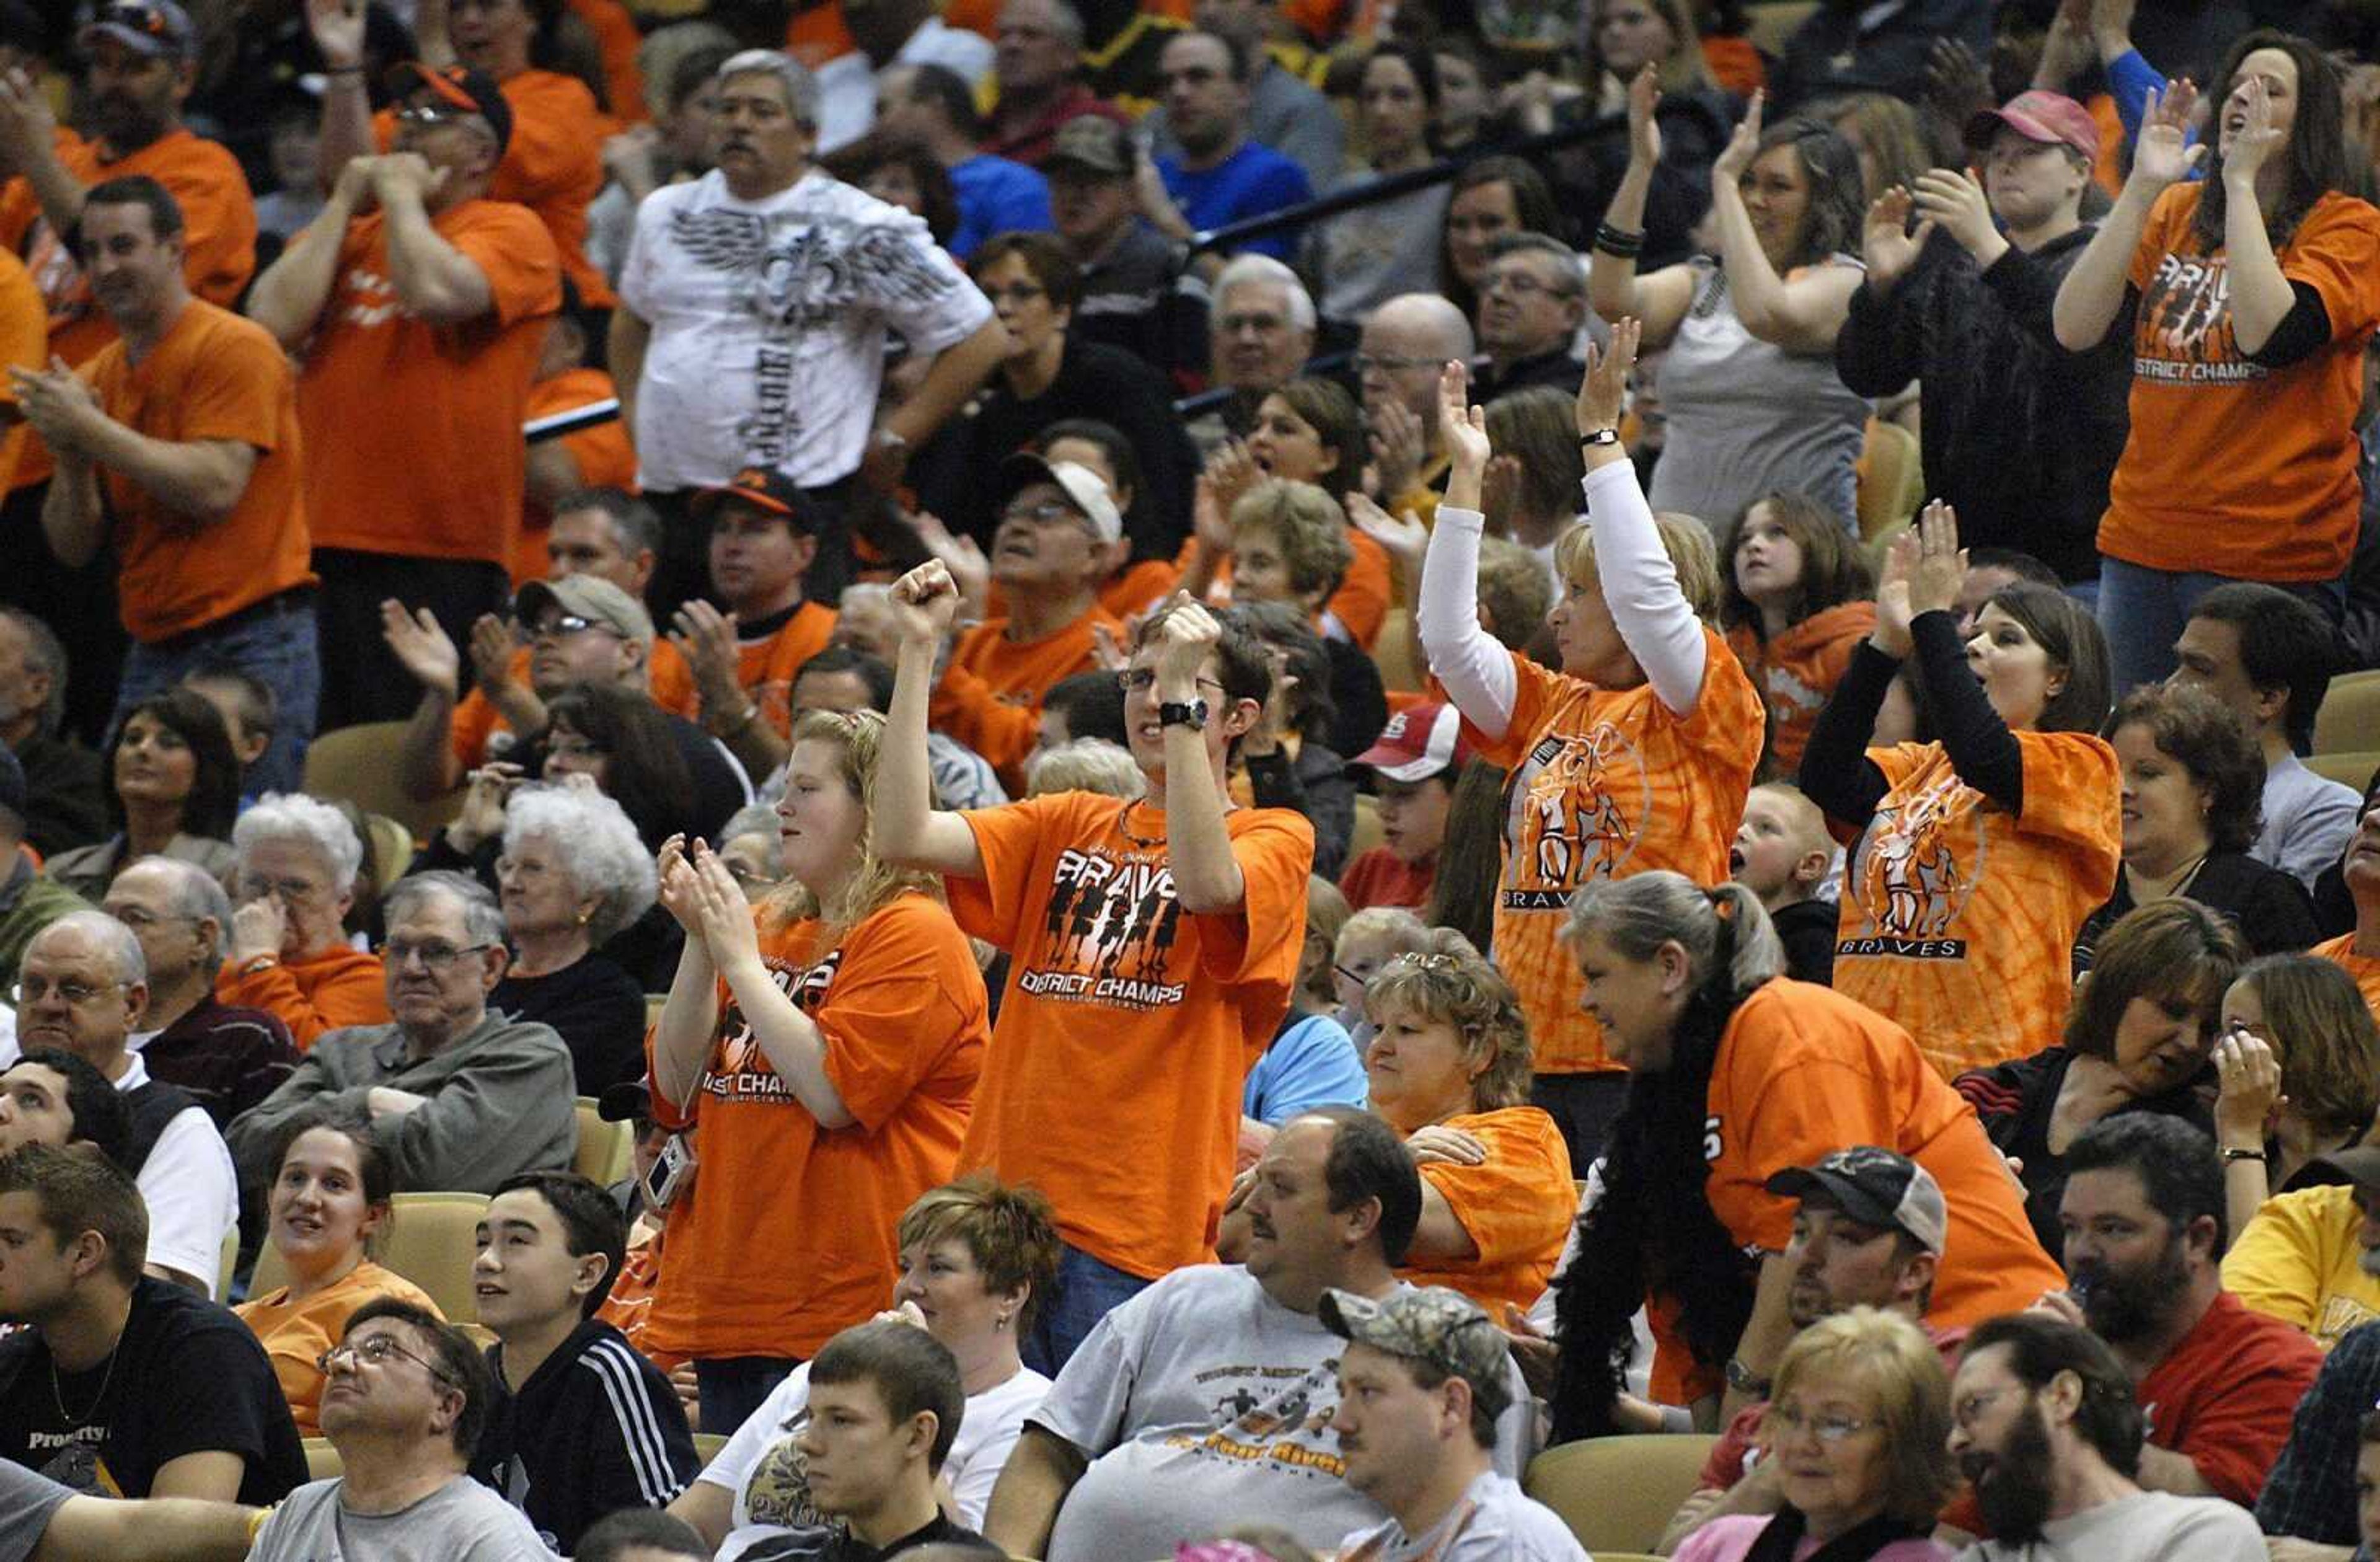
(2040, 116)
(1419, 742)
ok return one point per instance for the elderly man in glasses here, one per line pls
(1060, 536)
(460, 1097)
(405, 1396)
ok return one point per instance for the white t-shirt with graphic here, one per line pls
(769, 321)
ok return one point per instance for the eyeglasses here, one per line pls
(434, 956)
(1140, 680)
(1358, 977)
(1016, 293)
(1829, 1430)
(1387, 363)
(428, 113)
(377, 1350)
(136, 918)
(74, 995)
(254, 888)
(562, 625)
(1048, 512)
(1521, 285)
(1262, 324)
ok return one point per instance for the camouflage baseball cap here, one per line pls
(1442, 1328)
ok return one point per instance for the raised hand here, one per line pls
(338, 30)
(1403, 537)
(2162, 153)
(1644, 123)
(1742, 147)
(1394, 436)
(1952, 199)
(481, 817)
(678, 886)
(724, 913)
(1886, 242)
(1941, 566)
(924, 603)
(421, 647)
(1185, 640)
(27, 125)
(1211, 517)
(1603, 390)
(1956, 84)
(2258, 138)
(1231, 472)
(492, 651)
(1462, 426)
(967, 565)
(1892, 614)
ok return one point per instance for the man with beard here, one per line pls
(1870, 1233)
(2146, 1229)
(2045, 1424)
(2308, 1508)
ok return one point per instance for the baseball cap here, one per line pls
(1091, 143)
(156, 28)
(1875, 1187)
(2358, 1164)
(626, 1102)
(589, 596)
(1083, 487)
(1432, 1324)
(2040, 116)
(1420, 741)
(763, 488)
(461, 87)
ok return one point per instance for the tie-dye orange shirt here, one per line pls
(1958, 916)
(1606, 783)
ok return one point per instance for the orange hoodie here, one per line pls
(327, 991)
(1797, 673)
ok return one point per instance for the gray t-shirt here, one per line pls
(1203, 1402)
(1373, 253)
(1748, 419)
(461, 1521)
(2144, 1526)
(27, 1502)
(1496, 1522)
(2307, 821)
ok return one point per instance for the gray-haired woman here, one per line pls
(1734, 1074)
(573, 874)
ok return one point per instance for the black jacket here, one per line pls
(1694, 129)
(2019, 435)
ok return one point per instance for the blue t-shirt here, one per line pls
(997, 196)
(1312, 1062)
(1251, 182)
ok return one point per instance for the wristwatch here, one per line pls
(1192, 714)
(1744, 1380)
(1599, 438)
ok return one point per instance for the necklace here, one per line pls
(58, 1394)
(1124, 828)
(2163, 886)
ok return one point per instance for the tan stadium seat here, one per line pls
(360, 764)
(2350, 718)
(1619, 1493)
(322, 1461)
(604, 1149)
(2354, 770)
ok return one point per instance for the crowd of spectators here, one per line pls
(1270, 750)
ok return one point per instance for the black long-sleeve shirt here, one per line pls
(1837, 775)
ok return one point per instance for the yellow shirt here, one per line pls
(2299, 1261)
(294, 1334)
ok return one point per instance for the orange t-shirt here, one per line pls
(213, 375)
(765, 667)
(333, 989)
(990, 698)
(1517, 1205)
(2233, 468)
(554, 166)
(616, 36)
(605, 459)
(413, 430)
(473, 728)
(1128, 1025)
(1802, 1072)
(1128, 593)
(1796, 673)
(629, 1305)
(218, 230)
(295, 1333)
(24, 344)
(1606, 783)
(2365, 969)
(1958, 919)
(786, 1237)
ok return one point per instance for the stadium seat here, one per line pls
(1619, 1493)
(1891, 478)
(2354, 770)
(360, 765)
(604, 1149)
(2349, 717)
(322, 1461)
(707, 1446)
(431, 1243)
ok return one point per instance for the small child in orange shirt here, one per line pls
(1800, 597)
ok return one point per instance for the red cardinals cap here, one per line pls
(1419, 742)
